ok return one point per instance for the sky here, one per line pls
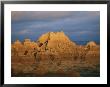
(77, 25)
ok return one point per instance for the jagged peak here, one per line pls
(53, 36)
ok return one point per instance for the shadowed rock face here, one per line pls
(54, 54)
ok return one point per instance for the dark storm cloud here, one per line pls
(40, 15)
(45, 15)
(83, 24)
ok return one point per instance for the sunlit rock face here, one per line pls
(56, 41)
(29, 45)
(17, 48)
(53, 36)
(17, 44)
(91, 44)
(53, 52)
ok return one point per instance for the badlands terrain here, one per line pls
(54, 55)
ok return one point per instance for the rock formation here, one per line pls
(56, 41)
(91, 44)
(53, 52)
(16, 48)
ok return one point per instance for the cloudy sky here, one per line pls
(77, 25)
